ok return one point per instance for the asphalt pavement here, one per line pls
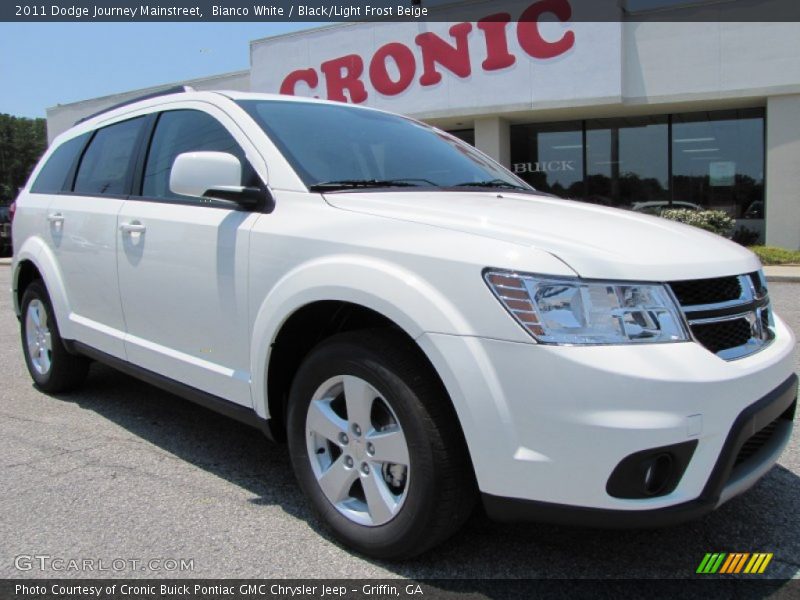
(122, 474)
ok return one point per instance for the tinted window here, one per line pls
(550, 157)
(715, 161)
(627, 162)
(53, 175)
(329, 142)
(185, 131)
(718, 161)
(106, 162)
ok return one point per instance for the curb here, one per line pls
(783, 273)
(784, 278)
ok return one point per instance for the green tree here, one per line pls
(22, 142)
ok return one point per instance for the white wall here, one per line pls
(589, 73)
(622, 64)
(62, 117)
(681, 62)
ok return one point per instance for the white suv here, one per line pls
(422, 326)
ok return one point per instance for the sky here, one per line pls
(45, 64)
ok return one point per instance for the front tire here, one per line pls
(376, 446)
(52, 368)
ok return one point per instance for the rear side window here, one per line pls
(53, 176)
(180, 131)
(106, 163)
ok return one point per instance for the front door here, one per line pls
(183, 268)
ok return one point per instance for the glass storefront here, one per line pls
(702, 160)
(627, 162)
(718, 161)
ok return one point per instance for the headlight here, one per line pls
(576, 311)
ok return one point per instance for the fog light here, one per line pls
(651, 473)
(657, 473)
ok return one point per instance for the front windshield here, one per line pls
(340, 147)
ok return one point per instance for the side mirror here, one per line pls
(215, 176)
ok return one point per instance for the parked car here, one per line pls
(422, 326)
(755, 210)
(5, 232)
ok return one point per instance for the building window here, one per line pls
(549, 156)
(627, 162)
(707, 160)
(718, 161)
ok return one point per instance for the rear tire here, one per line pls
(52, 368)
(396, 481)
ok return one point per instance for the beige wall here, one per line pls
(493, 136)
(783, 171)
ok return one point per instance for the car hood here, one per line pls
(595, 241)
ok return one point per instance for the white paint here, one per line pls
(194, 173)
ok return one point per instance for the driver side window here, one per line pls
(180, 131)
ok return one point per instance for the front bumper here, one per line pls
(727, 479)
(547, 425)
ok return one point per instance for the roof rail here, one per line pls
(177, 89)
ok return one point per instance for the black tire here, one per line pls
(441, 488)
(67, 371)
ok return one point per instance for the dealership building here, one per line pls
(633, 114)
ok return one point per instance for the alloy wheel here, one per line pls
(38, 337)
(358, 451)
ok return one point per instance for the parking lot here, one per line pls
(122, 470)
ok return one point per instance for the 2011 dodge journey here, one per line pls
(422, 327)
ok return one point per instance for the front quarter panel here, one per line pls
(423, 278)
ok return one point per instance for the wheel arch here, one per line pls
(348, 293)
(36, 261)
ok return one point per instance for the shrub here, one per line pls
(715, 221)
(746, 236)
(770, 255)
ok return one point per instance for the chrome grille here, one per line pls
(730, 316)
(722, 336)
(707, 291)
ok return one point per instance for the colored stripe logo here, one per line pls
(734, 563)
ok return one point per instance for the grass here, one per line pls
(770, 255)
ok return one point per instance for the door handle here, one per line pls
(132, 227)
(55, 218)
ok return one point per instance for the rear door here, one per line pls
(182, 263)
(82, 231)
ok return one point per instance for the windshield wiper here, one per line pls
(493, 183)
(351, 184)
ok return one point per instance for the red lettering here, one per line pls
(530, 38)
(379, 74)
(307, 76)
(494, 30)
(435, 51)
(345, 74)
